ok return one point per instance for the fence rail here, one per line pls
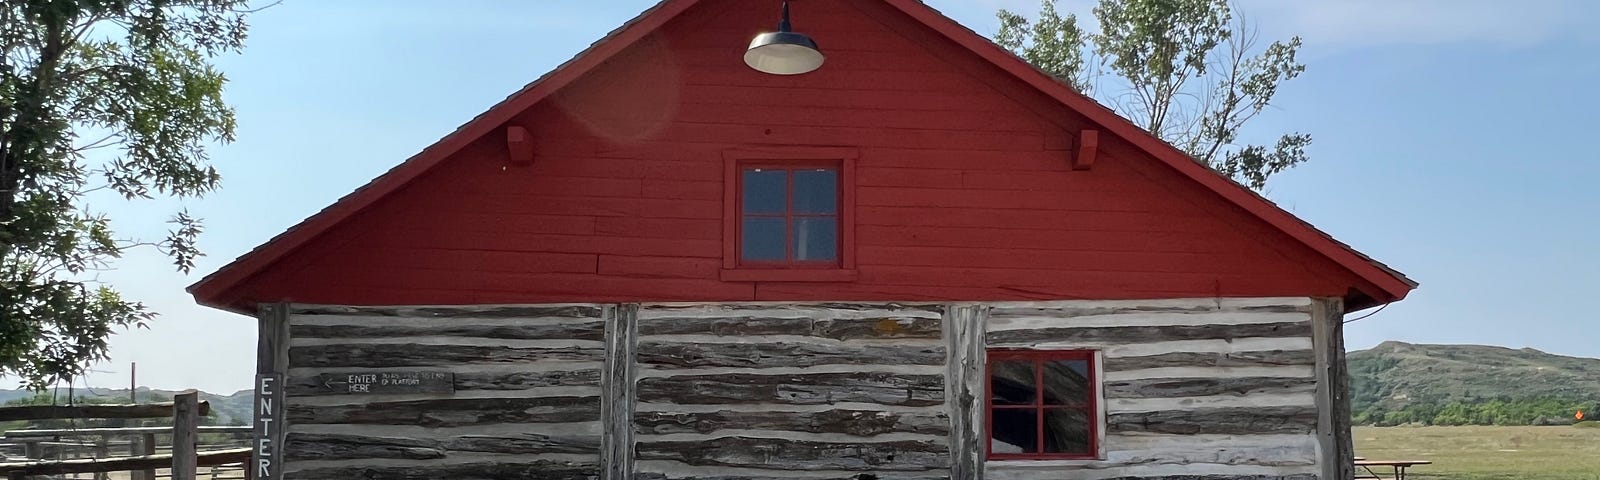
(90, 449)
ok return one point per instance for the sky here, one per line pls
(1453, 141)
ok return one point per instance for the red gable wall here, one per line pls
(964, 189)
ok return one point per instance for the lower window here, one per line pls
(1042, 404)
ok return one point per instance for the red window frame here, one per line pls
(1090, 406)
(734, 268)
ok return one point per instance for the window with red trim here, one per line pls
(789, 214)
(1042, 404)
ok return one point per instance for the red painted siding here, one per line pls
(964, 188)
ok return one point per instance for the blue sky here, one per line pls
(1452, 141)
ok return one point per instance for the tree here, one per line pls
(111, 96)
(1185, 70)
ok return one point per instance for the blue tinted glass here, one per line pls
(764, 190)
(816, 191)
(763, 239)
(816, 239)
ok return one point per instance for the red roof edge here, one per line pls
(217, 289)
(1391, 284)
(214, 289)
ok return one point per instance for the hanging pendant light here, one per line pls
(783, 52)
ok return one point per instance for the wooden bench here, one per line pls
(1399, 467)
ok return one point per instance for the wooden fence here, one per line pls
(58, 453)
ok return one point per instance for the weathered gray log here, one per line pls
(267, 408)
(1068, 312)
(578, 331)
(964, 389)
(513, 467)
(784, 354)
(46, 412)
(525, 380)
(1333, 396)
(411, 355)
(1274, 358)
(781, 454)
(805, 389)
(876, 475)
(837, 329)
(454, 412)
(1223, 421)
(1201, 387)
(185, 440)
(303, 446)
(618, 387)
(850, 422)
(465, 311)
(1146, 334)
(311, 385)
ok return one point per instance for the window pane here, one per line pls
(765, 190)
(1066, 382)
(1066, 430)
(816, 238)
(1011, 382)
(816, 191)
(1015, 430)
(763, 239)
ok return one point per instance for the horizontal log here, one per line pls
(784, 354)
(470, 311)
(1225, 421)
(453, 412)
(312, 385)
(1196, 359)
(93, 432)
(801, 389)
(1201, 387)
(121, 464)
(525, 380)
(1146, 334)
(837, 329)
(47, 412)
(577, 331)
(1088, 311)
(303, 446)
(412, 355)
(849, 422)
(803, 309)
(778, 475)
(513, 467)
(784, 454)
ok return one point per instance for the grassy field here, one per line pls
(1484, 453)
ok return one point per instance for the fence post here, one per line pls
(146, 446)
(185, 424)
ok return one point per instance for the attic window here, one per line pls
(788, 216)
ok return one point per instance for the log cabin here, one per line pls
(923, 260)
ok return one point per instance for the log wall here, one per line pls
(769, 391)
(527, 400)
(1215, 388)
(1212, 388)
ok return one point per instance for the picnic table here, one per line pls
(1399, 467)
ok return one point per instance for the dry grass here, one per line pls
(1484, 453)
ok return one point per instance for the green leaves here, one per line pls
(131, 81)
(1186, 70)
(1054, 44)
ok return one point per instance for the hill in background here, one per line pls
(1396, 383)
(226, 409)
